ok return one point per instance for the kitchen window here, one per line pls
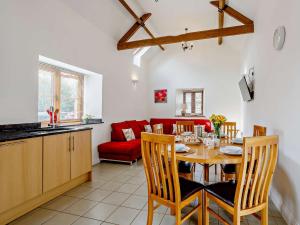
(62, 89)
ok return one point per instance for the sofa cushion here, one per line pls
(129, 135)
(121, 148)
(134, 125)
(117, 133)
(142, 124)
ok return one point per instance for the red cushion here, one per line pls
(132, 148)
(134, 125)
(142, 124)
(117, 133)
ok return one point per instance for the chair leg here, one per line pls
(206, 212)
(200, 196)
(178, 215)
(150, 212)
(265, 215)
(216, 169)
(236, 220)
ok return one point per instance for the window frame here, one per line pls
(58, 73)
(193, 102)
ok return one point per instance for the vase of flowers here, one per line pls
(217, 121)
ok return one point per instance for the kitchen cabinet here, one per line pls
(20, 171)
(81, 158)
(56, 158)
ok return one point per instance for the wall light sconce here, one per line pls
(134, 80)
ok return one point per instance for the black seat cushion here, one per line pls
(185, 167)
(229, 168)
(189, 187)
(224, 191)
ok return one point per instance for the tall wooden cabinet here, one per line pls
(20, 172)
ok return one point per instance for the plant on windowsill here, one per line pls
(217, 121)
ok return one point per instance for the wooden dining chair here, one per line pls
(250, 194)
(259, 131)
(184, 126)
(158, 128)
(229, 130)
(165, 187)
(228, 171)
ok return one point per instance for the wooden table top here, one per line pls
(201, 154)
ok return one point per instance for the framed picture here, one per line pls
(161, 96)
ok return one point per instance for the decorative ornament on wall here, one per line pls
(161, 96)
(279, 38)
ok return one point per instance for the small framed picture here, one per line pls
(161, 96)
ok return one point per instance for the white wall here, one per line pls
(276, 103)
(52, 29)
(209, 66)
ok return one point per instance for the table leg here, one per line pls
(206, 172)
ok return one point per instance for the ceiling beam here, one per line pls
(193, 36)
(221, 19)
(135, 28)
(233, 13)
(139, 20)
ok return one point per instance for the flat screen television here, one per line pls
(245, 90)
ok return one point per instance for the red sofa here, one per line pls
(128, 151)
(168, 123)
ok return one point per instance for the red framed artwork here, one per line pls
(161, 96)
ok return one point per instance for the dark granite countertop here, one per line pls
(23, 131)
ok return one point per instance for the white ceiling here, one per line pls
(169, 17)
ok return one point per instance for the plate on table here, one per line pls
(185, 134)
(180, 148)
(239, 141)
(231, 150)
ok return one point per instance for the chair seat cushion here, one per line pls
(185, 167)
(229, 168)
(224, 191)
(188, 187)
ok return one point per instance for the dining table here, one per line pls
(207, 156)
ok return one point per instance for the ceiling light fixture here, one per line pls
(187, 45)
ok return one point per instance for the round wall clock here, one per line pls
(279, 38)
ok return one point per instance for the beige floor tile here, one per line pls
(142, 190)
(128, 188)
(107, 223)
(136, 181)
(94, 183)
(122, 178)
(35, 217)
(60, 203)
(111, 186)
(101, 211)
(141, 219)
(123, 216)
(98, 195)
(62, 219)
(136, 202)
(170, 220)
(80, 207)
(79, 192)
(116, 198)
(86, 221)
(161, 210)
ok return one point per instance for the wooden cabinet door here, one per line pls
(56, 158)
(20, 172)
(81, 155)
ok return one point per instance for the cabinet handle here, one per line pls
(13, 143)
(70, 144)
(73, 144)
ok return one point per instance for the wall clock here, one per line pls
(279, 38)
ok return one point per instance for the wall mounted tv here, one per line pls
(245, 90)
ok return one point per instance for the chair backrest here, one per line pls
(229, 129)
(184, 126)
(158, 152)
(158, 128)
(259, 131)
(256, 171)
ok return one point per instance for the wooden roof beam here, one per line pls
(200, 35)
(221, 19)
(139, 20)
(233, 13)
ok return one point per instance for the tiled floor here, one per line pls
(117, 195)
